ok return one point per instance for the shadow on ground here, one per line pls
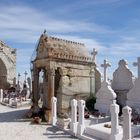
(13, 116)
(54, 132)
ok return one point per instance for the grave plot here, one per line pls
(16, 97)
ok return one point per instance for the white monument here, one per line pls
(73, 124)
(122, 82)
(1, 95)
(54, 110)
(115, 134)
(81, 119)
(105, 95)
(127, 123)
(133, 96)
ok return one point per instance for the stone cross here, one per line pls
(137, 64)
(94, 53)
(105, 65)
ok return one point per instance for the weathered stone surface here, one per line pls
(7, 65)
(72, 66)
(133, 96)
(122, 77)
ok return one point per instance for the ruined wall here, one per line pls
(7, 65)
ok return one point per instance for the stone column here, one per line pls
(92, 81)
(35, 89)
(73, 125)
(81, 119)
(45, 88)
(127, 123)
(1, 95)
(51, 74)
(54, 110)
(114, 108)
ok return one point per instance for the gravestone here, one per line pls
(122, 82)
(133, 96)
(105, 95)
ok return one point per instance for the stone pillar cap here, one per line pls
(81, 103)
(126, 109)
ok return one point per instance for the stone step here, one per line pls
(86, 136)
(98, 131)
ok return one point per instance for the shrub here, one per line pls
(90, 102)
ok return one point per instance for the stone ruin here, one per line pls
(7, 65)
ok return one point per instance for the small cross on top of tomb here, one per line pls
(105, 65)
(94, 53)
(138, 65)
(25, 75)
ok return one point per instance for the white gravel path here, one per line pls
(13, 127)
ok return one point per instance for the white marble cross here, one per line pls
(105, 65)
(94, 53)
(137, 64)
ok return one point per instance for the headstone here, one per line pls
(10, 101)
(1, 95)
(105, 95)
(81, 123)
(133, 96)
(114, 108)
(127, 123)
(122, 77)
(73, 124)
(122, 82)
(54, 110)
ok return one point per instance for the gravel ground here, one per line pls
(13, 126)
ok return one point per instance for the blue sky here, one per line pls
(110, 26)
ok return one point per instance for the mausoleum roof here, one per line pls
(60, 48)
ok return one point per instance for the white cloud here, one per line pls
(24, 24)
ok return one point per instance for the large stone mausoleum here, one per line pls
(69, 72)
(7, 65)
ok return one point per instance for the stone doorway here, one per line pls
(57, 81)
(3, 75)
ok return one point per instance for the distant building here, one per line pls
(7, 66)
